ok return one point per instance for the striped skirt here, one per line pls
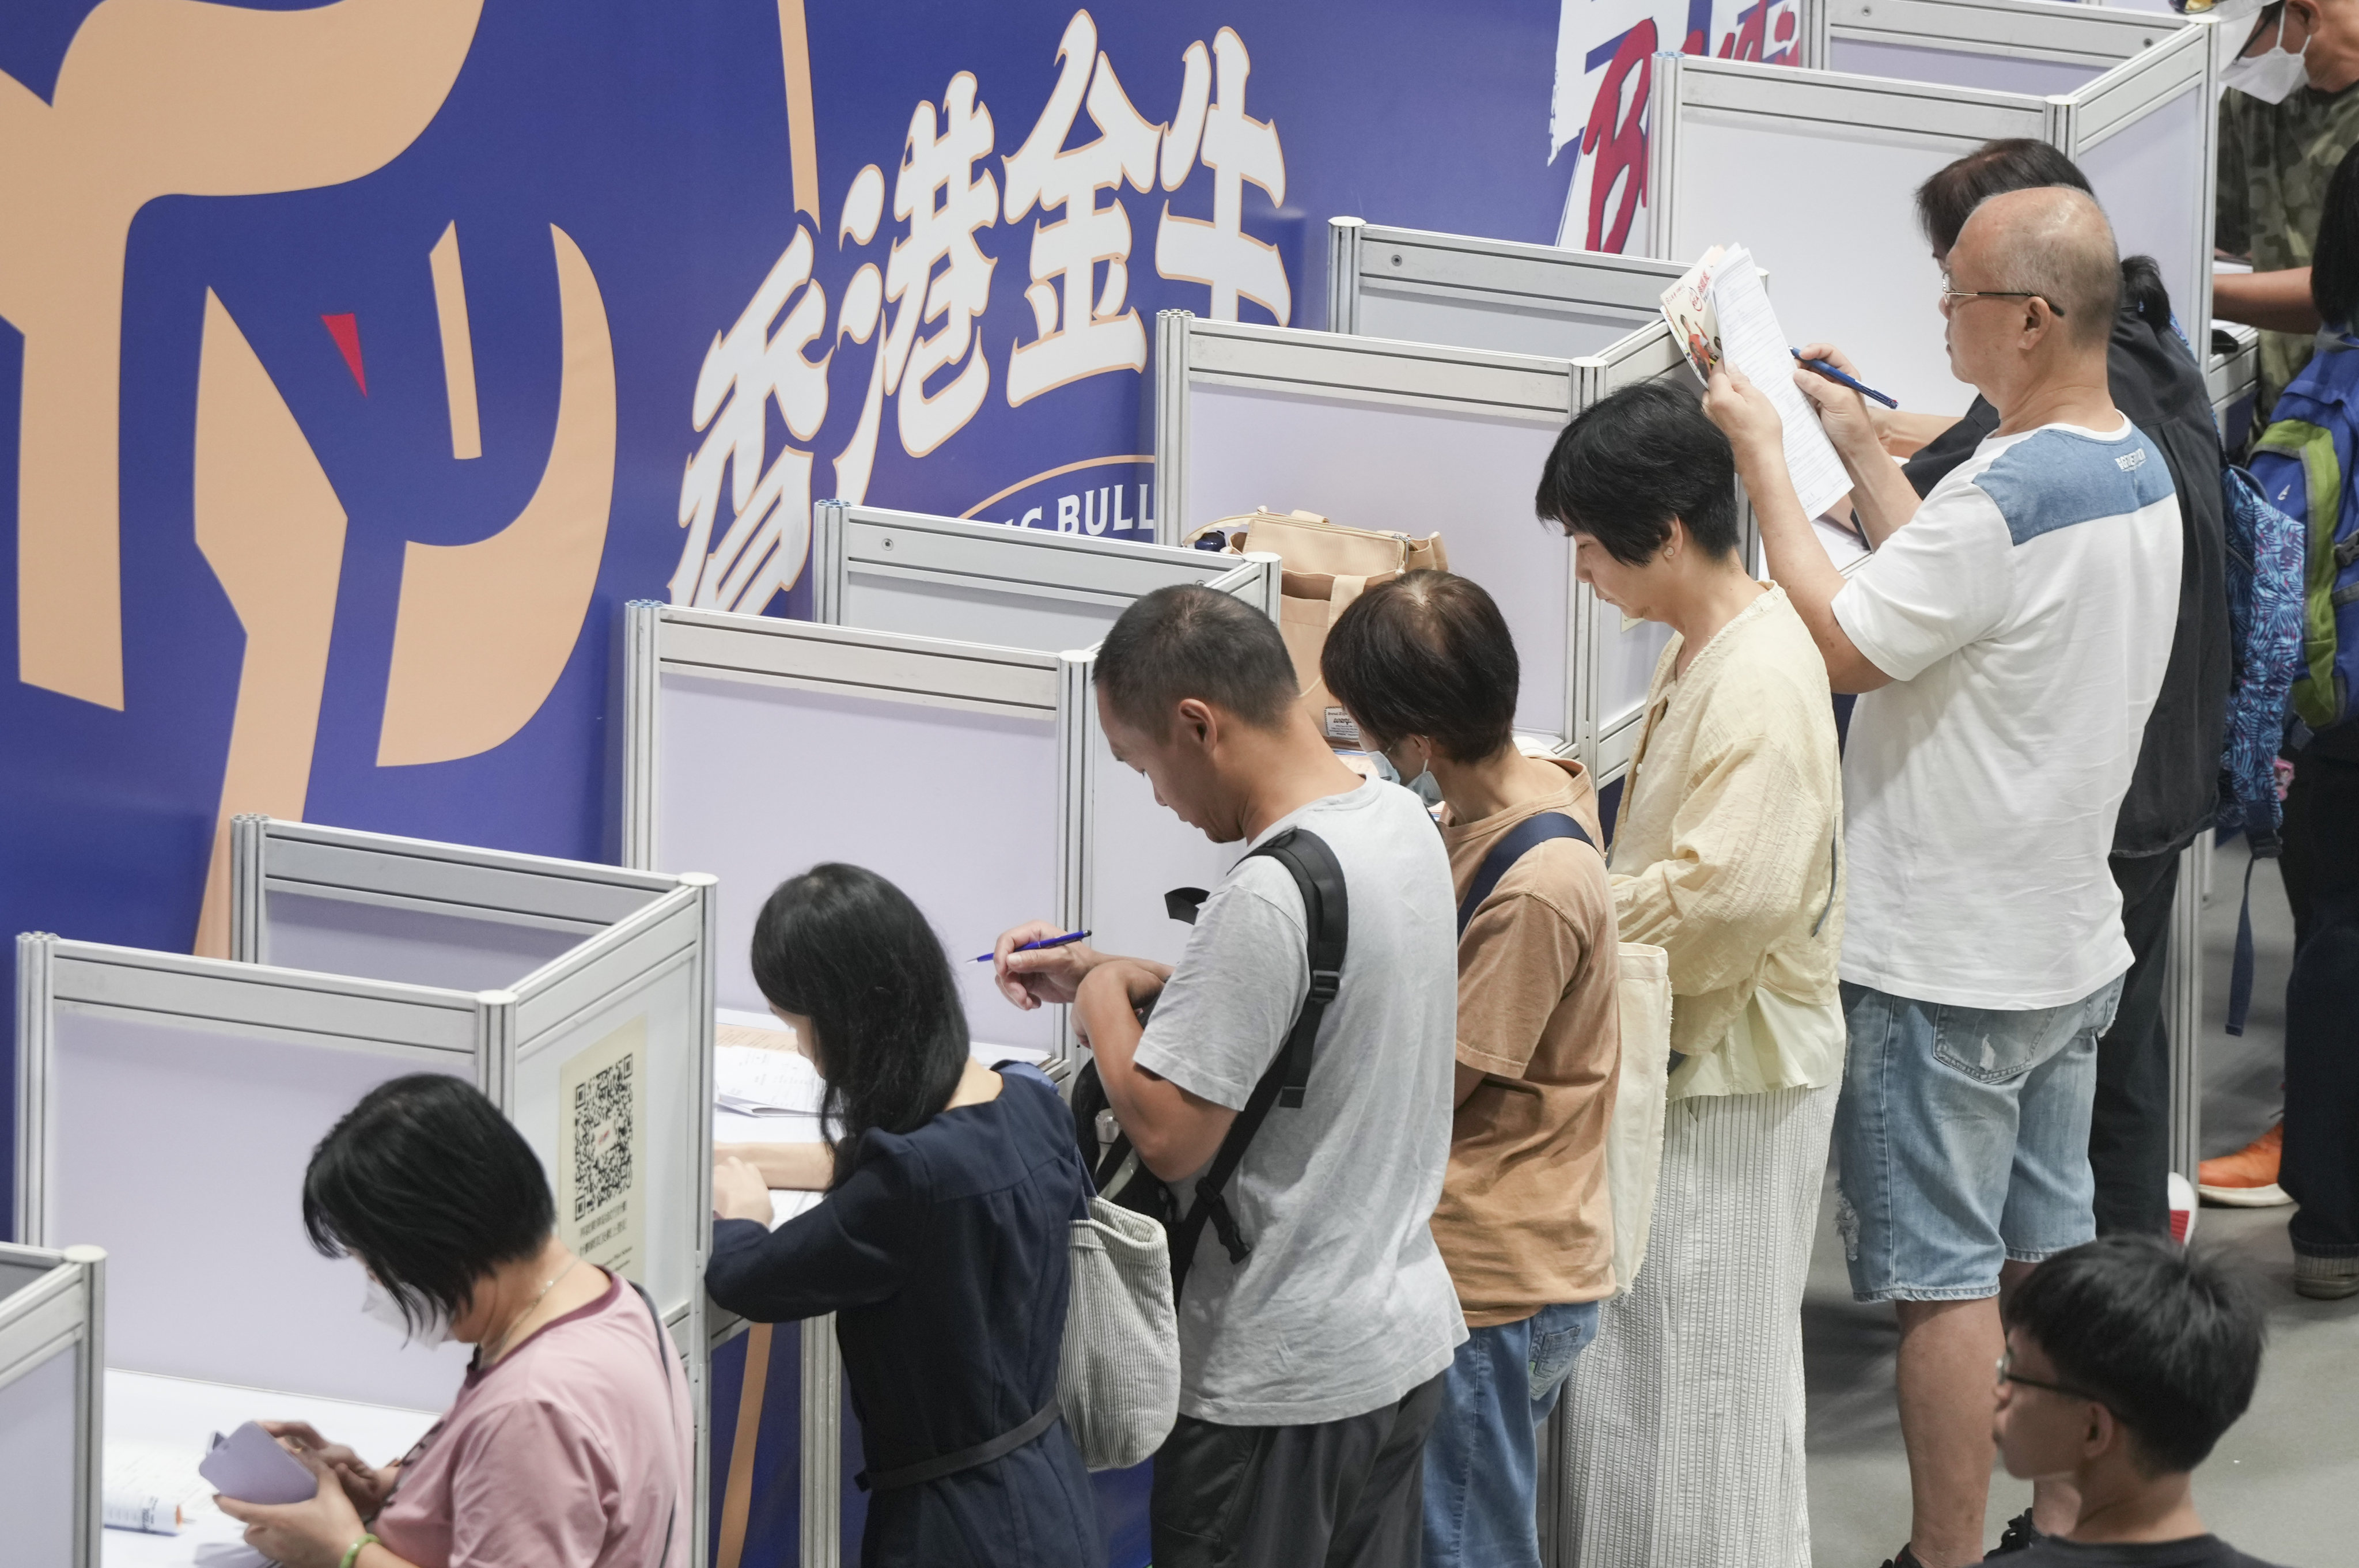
(1682, 1431)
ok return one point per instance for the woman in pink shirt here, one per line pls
(569, 1444)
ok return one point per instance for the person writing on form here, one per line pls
(2009, 633)
(1311, 1366)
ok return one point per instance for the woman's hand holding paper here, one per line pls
(315, 1533)
(365, 1485)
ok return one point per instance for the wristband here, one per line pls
(352, 1552)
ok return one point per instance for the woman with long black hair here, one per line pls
(940, 1245)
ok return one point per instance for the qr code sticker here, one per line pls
(602, 1138)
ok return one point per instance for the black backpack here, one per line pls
(1121, 1176)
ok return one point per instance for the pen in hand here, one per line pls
(1821, 367)
(1035, 946)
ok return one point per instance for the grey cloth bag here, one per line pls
(1118, 1380)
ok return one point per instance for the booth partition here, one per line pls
(1418, 437)
(168, 1106)
(52, 1354)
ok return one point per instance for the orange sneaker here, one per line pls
(2248, 1177)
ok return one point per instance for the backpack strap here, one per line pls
(1327, 916)
(1513, 845)
(663, 1356)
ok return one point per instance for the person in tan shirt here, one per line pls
(1425, 666)
(1726, 854)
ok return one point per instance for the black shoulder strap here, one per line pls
(664, 1355)
(1327, 916)
(1518, 842)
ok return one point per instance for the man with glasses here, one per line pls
(2010, 634)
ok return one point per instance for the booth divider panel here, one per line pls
(607, 1131)
(757, 783)
(1139, 851)
(1626, 666)
(39, 1500)
(1385, 466)
(1962, 68)
(181, 1152)
(414, 946)
(497, 883)
(2140, 178)
(1563, 331)
(971, 610)
(1869, 286)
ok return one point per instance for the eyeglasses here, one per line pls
(1949, 294)
(2005, 1373)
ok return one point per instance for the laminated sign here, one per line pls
(602, 1152)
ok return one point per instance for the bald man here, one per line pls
(2008, 636)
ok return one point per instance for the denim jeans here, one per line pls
(1482, 1461)
(1962, 1140)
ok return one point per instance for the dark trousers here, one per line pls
(2129, 1125)
(2320, 1169)
(1347, 1493)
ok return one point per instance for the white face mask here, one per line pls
(377, 1302)
(2271, 76)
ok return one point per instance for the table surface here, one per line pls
(144, 1409)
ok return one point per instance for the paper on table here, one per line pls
(147, 1485)
(248, 1464)
(753, 1081)
(1751, 339)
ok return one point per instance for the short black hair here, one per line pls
(2335, 262)
(847, 949)
(1187, 640)
(1950, 195)
(1626, 466)
(2168, 1341)
(1426, 654)
(431, 1188)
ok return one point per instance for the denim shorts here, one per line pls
(1962, 1140)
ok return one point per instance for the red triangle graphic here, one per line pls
(346, 330)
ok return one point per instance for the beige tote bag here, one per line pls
(1634, 1147)
(1325, 568)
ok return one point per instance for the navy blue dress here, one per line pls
(942, 1254)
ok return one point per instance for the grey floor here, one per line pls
(2283, 1482)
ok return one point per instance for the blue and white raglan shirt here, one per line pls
(2025, 615)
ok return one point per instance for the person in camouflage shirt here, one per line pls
(2275, 162)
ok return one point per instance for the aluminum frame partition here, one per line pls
(1867, 280)
(1418, 285)
(2102, 68)
(1343, 377)
(969, 582)
(591, 942)
(53, 1354)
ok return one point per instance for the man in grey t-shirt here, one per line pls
(1313, 1368)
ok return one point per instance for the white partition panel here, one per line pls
(761, 747)
(946, 577)
(1385, 436)
(1417, 438)
(52, 1340)
(2130, 95)
(1421, 287)
(1864, 281)
(166, 1108)
(1133, 849)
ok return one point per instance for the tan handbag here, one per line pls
(1326, 567)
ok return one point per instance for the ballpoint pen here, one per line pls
(1821, 367)
(1033, 947)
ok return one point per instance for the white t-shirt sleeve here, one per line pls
(1940, 582)
(1231, 1000)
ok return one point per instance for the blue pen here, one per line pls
(1821, 367)
(1033, 946)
